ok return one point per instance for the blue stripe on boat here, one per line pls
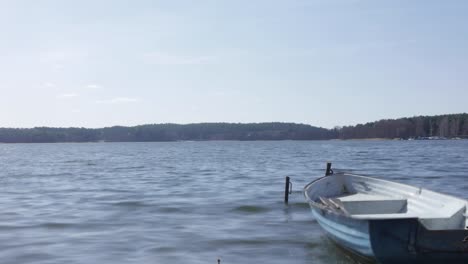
(354, 238)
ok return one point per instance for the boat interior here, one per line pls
(362, 197)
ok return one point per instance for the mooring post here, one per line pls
(329, 170)
(286, 190)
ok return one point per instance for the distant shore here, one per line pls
(232, 140)
(442, 127)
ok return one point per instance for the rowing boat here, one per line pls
(390, 222)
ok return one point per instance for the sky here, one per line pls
(97, 63)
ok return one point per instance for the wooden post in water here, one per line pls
(329, 170)
(286, 190)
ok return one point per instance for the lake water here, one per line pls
(192, 202)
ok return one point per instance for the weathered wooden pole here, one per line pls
(286, 190)
(329, 170)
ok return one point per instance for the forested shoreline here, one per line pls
(167, 132)
(444, 126)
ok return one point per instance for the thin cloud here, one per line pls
(58, 66)
(119, 100)
(48, 84)
(58, 60)
(161, 58)
(93, 86)
(68, 95)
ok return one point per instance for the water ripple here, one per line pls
(192, 202)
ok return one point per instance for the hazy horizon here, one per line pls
(327, 63)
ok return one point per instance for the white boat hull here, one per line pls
(390, 222)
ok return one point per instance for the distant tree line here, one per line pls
(455, 125)
(449, 126)
(168, 132)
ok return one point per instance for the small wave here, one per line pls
(433, 177)
(129, 204)
(81, 161)
(49, 225)
(13, 227)
(170, 210)
(251, 209)
(62, 174)
(163, 249)
(56, 225)
(33, 257)
(300, 205)
(130, 168)
(263, 241)
(234, 242)
(73, 161)
(115, 190)
(206, 172)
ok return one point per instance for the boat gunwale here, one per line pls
(313, 203)
(342, 173)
